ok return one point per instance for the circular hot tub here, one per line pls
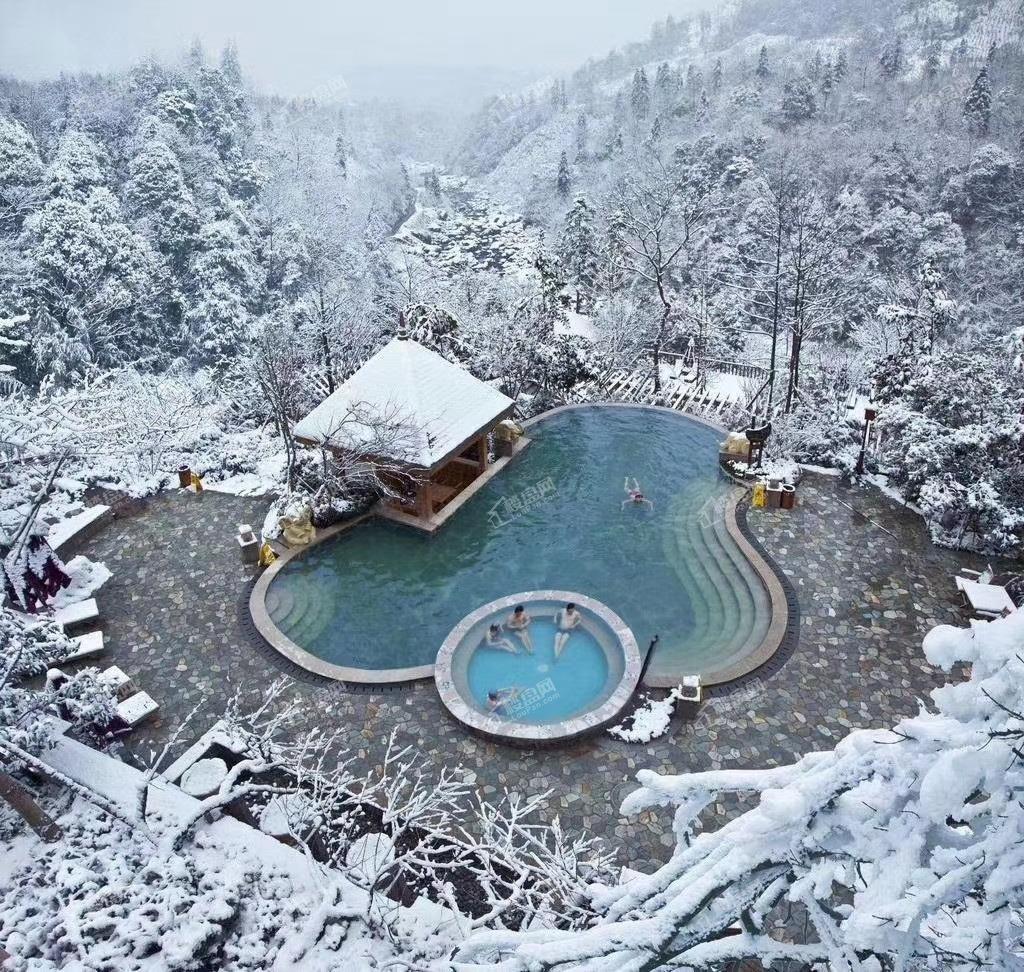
(518, 687)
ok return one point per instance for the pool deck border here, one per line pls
(742, 668)
(508, 730)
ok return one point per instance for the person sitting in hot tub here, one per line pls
(494, 639)
(498, 699)
(567, 619)
(519, 622)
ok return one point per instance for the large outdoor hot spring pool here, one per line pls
(383, 596)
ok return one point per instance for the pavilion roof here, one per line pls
(406, 403)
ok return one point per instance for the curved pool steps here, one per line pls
(731, 607)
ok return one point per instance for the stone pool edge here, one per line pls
(506, 730)
(771, 643)
(299, 656)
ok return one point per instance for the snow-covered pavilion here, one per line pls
(413, 410)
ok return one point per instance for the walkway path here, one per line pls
(870, 585)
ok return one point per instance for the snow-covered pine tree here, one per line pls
(798, 101)
(762, 71)
(21, 174)
(577, 251)
(640, 96)
(159, 195)
(890, 61)
(978, 104)
(341, 154)
(563, 180)
(842, 65)
(582, 135)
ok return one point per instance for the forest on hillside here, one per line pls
(189, 264)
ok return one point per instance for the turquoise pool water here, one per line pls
(547, 689)
(385, 596)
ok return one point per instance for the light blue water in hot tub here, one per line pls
(549, 689)
(385, 596)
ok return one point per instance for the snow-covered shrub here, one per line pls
(817, 437)
(29, 646)
(951, 428)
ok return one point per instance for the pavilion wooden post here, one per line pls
(481, 452)
(423, 501)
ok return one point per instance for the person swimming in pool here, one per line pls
(635, 495)
(494, 639)
(567, 620)
(519, 622)
(499, 698)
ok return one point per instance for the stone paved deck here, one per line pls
(869, 582)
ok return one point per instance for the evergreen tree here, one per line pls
(703, 107)
(814, 69)
(227, 283)
(762, 71)
(931, 65)
(827, 85)
(581, 135)
(694, 81)
(716, 76)
(341, 154)
(640, 98)
(21, 173)
(978, 104)
(432, 183)
(890, 61)
(663, 80)
(798, 101)
(842, 66)
(577, 251)
(563, 181)
(230, 66)
(160, 196)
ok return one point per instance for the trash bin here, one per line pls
(758, 499)
(248, 546)
(184, 477)
(788, 496)
(774, 494)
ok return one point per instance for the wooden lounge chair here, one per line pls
(75, 614)
(985, 600)
(88, 645)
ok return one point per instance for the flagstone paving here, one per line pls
(869, 583)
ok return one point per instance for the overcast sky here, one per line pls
(297, 46)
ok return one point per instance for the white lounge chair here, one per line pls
(980, 576)
(985, 600)
(86, 646)
(77, 613)
(136, 708)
